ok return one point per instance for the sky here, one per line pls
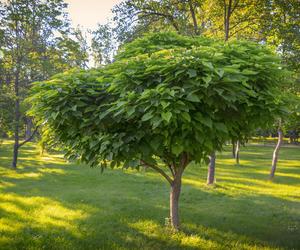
(87, 13)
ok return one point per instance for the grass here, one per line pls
(50, 204)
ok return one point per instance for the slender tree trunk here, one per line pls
(193, 14)
(174, 201)
(17, 121)
(175, 184)
(29, 126)
(211, 169)
(237, 153)
(17, 97)
(227, 12)
(276, 153)
(175, 191)
(233, 148)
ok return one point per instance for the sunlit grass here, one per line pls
(50, 204)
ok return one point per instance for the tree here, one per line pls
(36, 44)
(282, 20)
(276, 151)
(103, 44)
(289, 120)
(136, 17)
(161, 108)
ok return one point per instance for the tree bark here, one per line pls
(174, 201)
(175, 191)
(237, 153)
(17, 121)
(29, 126)
(276, 154)
(211, 169)
(233, 148)
(227, 13)
(17, 97)
(175, 184)
(193, 14)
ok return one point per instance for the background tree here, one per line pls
(152, 107)
(103, 45)
(35, 45)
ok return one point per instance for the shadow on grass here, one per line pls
(74, 207)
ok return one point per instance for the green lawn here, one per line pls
(50, 204)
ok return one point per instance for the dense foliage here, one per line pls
(190, 97)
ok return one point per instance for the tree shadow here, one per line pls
(74, 207)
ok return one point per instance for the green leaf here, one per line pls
(207, 121)
(207, 79)
(130, 111)
(192, 73)
(147, 116)
(208, 65)
(231, 69)
(155, 142)
(178, 72)
(54, 115)
(249, 72)
(193, 98)
(166, 116)
(221, 127)
(203, 119)
(80, 103)
(156, 121)
(177, 149)
(220, 72)
(93, 143)
(164, 104)
(186, 116)
(89, 109)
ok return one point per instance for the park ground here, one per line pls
(50, 204)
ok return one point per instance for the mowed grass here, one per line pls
(50, 204)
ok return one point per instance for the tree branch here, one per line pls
(30, 138)
(184, 160)
(167, 177)
(171, 169)
(235, 4)
(169, 17)
(242, 28)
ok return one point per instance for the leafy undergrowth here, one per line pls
(50, 204)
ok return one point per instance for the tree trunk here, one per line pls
(227, 12)
(237, 153)
(175, 184)
(17, 122)
(211, 169)
(175, 191)
(276, 153)
(29, 126)
(174, 201)
(233, 148)
(193, 14)
(17, 97)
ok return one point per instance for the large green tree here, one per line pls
(161, 108)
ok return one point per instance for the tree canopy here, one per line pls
(165, 94)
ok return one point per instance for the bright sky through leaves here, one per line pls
(88, 13)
